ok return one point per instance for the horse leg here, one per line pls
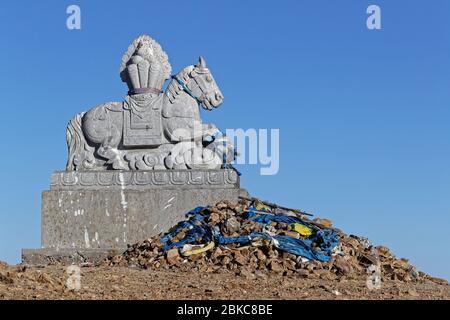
(108, 149)
(182, 129)
(101, 128)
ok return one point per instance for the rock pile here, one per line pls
(354, 257)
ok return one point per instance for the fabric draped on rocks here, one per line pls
(318, 246)
(254, 240)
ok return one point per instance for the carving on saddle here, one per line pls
(151, 129)
(142, 121)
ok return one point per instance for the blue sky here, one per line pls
(363, 115)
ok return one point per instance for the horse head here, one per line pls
(204, 87)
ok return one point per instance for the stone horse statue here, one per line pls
(152, 129)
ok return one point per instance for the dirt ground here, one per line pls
(17, 282)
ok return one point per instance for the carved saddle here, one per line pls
(142, 121)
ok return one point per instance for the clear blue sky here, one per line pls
(363, 115)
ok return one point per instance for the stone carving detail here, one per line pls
(151, 129)
(72, 180)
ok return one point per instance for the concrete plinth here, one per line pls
(86, 215)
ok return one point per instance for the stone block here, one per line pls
(87, 214)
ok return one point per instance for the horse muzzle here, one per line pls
(213, 101)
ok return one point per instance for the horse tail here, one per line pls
(81, 154)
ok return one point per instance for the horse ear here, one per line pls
(201, 63)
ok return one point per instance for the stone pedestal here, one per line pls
(87, 214)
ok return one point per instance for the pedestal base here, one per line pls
(47, 256)
(95, 212)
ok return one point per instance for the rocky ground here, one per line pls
(256, 270)
(105, 282)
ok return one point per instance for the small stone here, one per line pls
(313, 265)
(172, 256)
(260, 274)
(291, 234)
(303, 273)
(368, 259)
(326, 223)
(195, 257)
(352, 242)
(383, 251)
(222, 205)
(407, 278)
(217, 253)
(337, 293)
(239, 258)
(44, 278)
(232, 225)
(412, 292)
(226, 260)
(115, 288)
(181, 235)
(87, 265)
(246, 273)
(403, 263)
(276, 266)
(273, 254)
(342, 265)
(289, 264)
(260, 255)
(289, 256)
(214, 218)
(240, 208)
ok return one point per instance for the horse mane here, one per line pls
(174, 88)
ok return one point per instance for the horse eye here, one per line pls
(208, 78)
